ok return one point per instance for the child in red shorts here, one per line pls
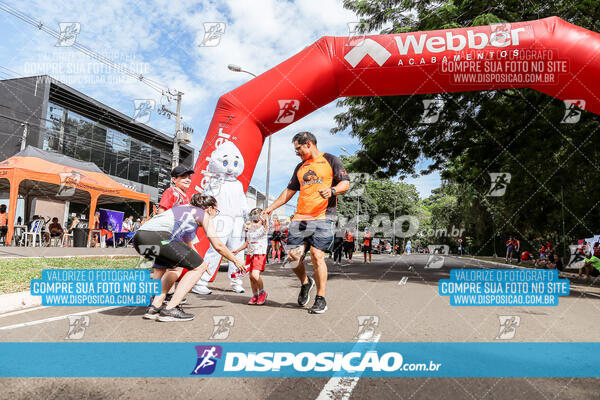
(256, 255)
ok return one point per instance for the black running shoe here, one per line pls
(152, 313)
(170, 296)
(304, 295)
(320, 305)
(175, 314)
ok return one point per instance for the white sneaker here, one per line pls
(238, 288)
(201, 289)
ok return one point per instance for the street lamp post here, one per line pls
(357, 202)
(394, 225)
(237, 68)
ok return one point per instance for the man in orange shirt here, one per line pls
(367, 245)
(320, 177)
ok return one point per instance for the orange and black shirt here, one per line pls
(311, 175)
(367, 238)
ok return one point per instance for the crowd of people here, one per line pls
(52, 231)
(547, 257)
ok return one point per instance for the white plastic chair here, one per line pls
(35, 232)
(67, 238)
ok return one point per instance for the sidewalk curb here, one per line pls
(18, 301)
(562, 274)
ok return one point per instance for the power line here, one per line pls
(86, 50)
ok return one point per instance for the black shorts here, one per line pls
(316, 233)
(165, 253)
(366, 249)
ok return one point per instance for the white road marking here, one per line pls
(42, 321)
(22, 311)
(340, 388)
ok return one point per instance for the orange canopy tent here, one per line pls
(44, 174)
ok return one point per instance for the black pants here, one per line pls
(165, 253)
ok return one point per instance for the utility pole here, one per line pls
(24, 138)
(176, 136)
(562, 212)
(394, 225)
(179, 136)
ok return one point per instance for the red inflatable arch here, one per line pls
(548, 55)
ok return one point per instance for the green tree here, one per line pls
(514, 131)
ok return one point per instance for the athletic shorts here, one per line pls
(157, 246)
(316, 233)
(256, 262)
(366, 249)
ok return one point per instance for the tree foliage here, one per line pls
(514, 131)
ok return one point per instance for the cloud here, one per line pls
(161, 38)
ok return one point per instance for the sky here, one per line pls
(162, 41)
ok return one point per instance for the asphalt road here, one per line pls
(407, 310)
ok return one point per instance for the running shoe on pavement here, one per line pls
(152, 313)
(238, 288)
(253, 299)
(304, 295)
(201, 289)
(319, 307)
(261, 298)
(175, 314)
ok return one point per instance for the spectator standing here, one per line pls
(517, 249)
(338, 246)
(3, 222)
(509, 249)
(349, 244)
